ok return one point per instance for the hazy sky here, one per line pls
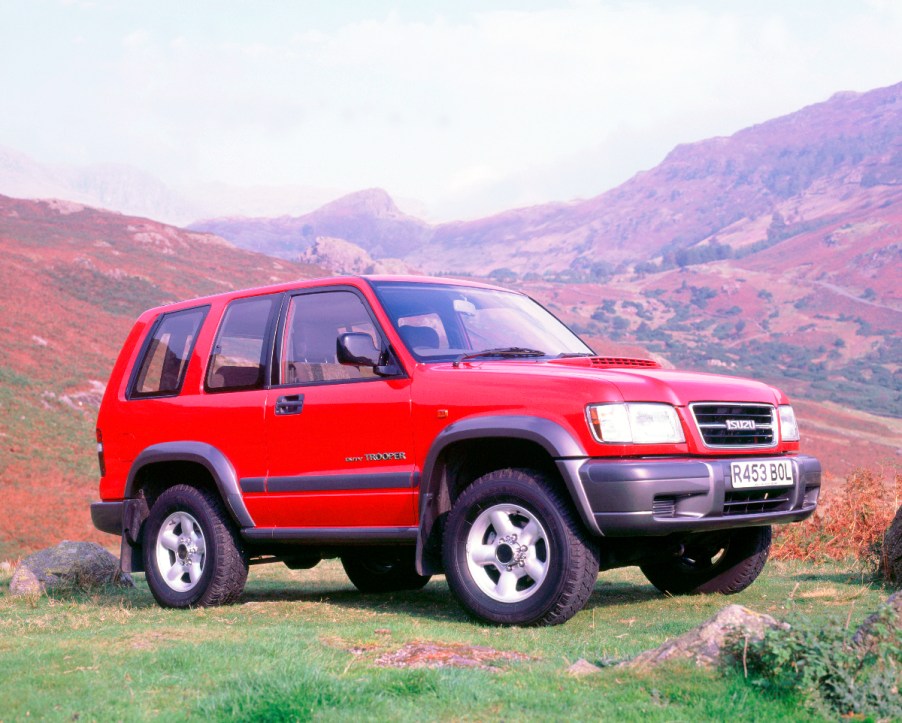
(470, 106)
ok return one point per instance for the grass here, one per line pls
(305, 644)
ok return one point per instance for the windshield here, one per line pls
(439, 322)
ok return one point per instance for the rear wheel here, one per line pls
(724, 562)
(193, 556)
(383, 570)
(515, 552)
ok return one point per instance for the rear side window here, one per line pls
(166, 355)
(239, 354)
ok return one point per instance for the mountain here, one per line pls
(367, 218)
(131, 191)
(805, 172)
(823, 162)
(117, 187)
(72, 281)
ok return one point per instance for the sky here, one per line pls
(460, 108)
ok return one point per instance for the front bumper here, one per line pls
(664, 496)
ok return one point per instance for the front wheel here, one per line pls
(515, 552)
(723, 562)
(193, 556)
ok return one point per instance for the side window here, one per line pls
(238, 360)
(309, 344)
(162, 370)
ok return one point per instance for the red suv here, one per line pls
(413, 426)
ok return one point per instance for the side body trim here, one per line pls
(207, 456)
(327, 483)
(252, 484)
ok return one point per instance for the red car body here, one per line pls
(372, 459)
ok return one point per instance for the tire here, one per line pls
(515, 552)
(193, 556)
(723, 562)
(386, 570)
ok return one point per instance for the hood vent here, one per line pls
(609, 362)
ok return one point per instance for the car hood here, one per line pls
(679, 388)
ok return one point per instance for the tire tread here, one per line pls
(582, 549)
(229, 560)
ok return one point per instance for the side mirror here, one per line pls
(357, 348)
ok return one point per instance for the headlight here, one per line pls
(789, 428)
(635, 423)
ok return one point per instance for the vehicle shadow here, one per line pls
(434, 602)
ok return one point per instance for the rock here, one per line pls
(892, 550)
(705, 644)
(582, 667)
(68, 566)
(344, 257)
(892, 608)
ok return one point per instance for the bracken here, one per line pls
(851, 524)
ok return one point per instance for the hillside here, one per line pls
(72, 281)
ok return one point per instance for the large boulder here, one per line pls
(889, 615)
(892, 550)
(68, 566)
(705, 644)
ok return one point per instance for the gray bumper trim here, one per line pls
(662, 496)
(107, 516)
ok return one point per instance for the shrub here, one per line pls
(822, 662)
(850, 525)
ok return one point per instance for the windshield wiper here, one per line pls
(506, 351)
(574, 354)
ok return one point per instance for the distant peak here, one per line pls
(371, 201)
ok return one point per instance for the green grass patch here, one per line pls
(305, 644)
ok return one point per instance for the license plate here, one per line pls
(768, 473)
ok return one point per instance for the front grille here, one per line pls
(751, 502)
(736, 424)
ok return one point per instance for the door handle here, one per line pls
(292, 404)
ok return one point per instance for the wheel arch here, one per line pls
(199, 457)
(467, 449)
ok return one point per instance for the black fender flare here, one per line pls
(560, 445)
(206, 455)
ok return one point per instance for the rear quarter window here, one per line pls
(164, 359)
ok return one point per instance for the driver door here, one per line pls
(339, 436)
